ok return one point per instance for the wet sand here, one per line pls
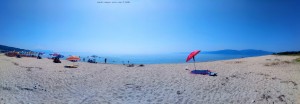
(256, 80)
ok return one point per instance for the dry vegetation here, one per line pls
(297, 60)
(278, 63)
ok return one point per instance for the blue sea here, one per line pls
(160, 58)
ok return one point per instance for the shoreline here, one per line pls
(147, 63)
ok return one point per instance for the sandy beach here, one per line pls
(255, 80)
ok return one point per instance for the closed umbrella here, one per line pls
(192, 55)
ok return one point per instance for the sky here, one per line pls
(150, 26)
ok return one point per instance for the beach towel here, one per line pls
(71, 66)
(203, 72)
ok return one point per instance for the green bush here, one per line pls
(292, 53)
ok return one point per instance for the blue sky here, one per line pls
(150, 26)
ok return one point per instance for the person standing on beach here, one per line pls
(105, 60)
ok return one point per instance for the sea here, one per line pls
(173, 58)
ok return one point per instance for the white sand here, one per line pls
(239, 81)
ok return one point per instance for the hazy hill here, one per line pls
(234, 52)
(241, 52)
(4, 48)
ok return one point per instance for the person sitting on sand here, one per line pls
(18, 56)
(56, 60)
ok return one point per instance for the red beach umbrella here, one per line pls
(192, 55)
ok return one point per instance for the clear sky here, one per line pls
(150, 26)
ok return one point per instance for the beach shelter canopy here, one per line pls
(192, 55)
(73, 58)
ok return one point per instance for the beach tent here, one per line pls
(192, 56)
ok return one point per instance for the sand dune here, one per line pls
(257, 80)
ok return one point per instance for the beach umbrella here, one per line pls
(55, 54)
(94, 56)
(192, 56)
(73, 58)
(60, 56)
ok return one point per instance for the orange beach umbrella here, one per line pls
(73, 58)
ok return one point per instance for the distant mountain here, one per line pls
(4, 48)
(240, 52)
(234, 52)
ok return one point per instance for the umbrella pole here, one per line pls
(194, 63)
